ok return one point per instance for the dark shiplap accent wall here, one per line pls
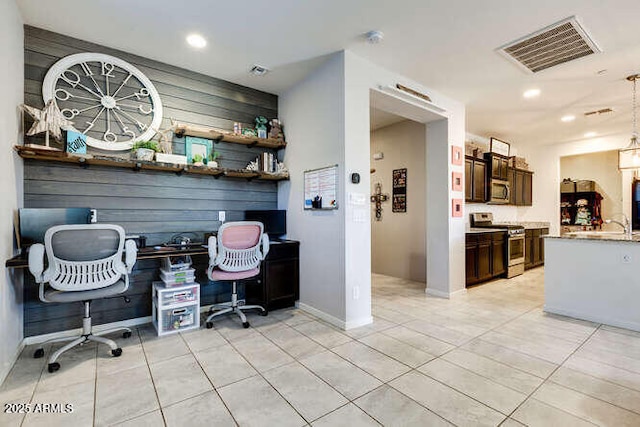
(156, 204)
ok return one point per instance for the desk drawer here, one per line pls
(172, 320)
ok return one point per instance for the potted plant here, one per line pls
(211, 162)
(144, 150)
(197, 160)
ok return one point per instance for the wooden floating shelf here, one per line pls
(216, 135)
(86, 160)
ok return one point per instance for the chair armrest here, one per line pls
(130, 253)
(265, 245)
(212, 244)
(36, 261)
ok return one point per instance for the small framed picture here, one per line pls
(456, 155)
(198, 149)
(456, 181)
(456, 208)
(499, 147)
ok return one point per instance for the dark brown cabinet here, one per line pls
(485, 256)
(521, 184)
(475, 180)
(498, 165)
(279, 277)
(534, 247)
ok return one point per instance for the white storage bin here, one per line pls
(175, 319)
(172, 278)
(167, 296)
(176, 263)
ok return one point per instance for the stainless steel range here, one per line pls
(515, 240)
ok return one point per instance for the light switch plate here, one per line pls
(222, 216)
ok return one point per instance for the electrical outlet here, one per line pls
(221, 216)
(94, 216)
(356, 292)
(626, 258)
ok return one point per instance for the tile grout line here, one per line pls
(530, 396)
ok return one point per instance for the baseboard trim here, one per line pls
(634, 326)
(358, 322)
(332, 319)
(442, 294)
(36, 339)
(14, 359)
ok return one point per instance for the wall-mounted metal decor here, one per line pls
(108, 99)
(399, 202)
(378, 198)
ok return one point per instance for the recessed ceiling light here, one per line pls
(196, 40)
(568, 118)
(258, 70)
(531, 93)
(590, 134)
(374, 36)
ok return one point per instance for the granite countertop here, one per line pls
(611, 236)
(529, 225)
(474, 230)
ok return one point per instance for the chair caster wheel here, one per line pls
(53, 367)
(126, 334)
(38, 353)
(209, 325)
(245, 325)
(264, 313)
(117, 352)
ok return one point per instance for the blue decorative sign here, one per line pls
(76, 143)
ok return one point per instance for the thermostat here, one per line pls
(355, 178)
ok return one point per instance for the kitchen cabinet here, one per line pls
(498, 165)
(521, 183)
(534, 247)
(485, 256)
(590, 214)
(279, 277)
(475, 180)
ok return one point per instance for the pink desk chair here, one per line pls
(234, 255)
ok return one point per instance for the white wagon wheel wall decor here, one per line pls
(107, 98)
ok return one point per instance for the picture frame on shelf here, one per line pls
(499, 147)
(201, 147)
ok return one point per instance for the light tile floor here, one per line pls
(490, 357)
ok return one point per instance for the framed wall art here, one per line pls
(456, 155)
(499, 147)
(456, 208)
(399, 190)
(456, 181)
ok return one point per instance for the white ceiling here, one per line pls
(448, 45)
(380, 118)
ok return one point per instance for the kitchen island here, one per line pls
(594, 276)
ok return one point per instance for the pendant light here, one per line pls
(629, 157)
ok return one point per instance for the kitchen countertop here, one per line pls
(529, 225)
(597, 236)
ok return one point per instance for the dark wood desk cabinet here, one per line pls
(279, 277)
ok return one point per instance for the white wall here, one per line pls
(11, 90)
(313, 116)
(603, 169)
(545, 162)
(327, 121)
(398, 242)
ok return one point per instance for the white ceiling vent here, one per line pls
(561, 42)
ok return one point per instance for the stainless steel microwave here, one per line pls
(499, 191)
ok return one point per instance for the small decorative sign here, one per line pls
(456, 181)
(499, 147)
(456, 155)
(198, 149)
(456, 208)
(76, 143)
(399, 199)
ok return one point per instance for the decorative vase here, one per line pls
(144, 154)
(212, 164)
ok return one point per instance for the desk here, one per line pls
(277, 286)
(19, 261)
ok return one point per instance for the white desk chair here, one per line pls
(84, 264)
(234, 255)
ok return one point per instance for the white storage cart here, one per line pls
(176, 308)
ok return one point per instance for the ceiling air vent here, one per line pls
(561, 42)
